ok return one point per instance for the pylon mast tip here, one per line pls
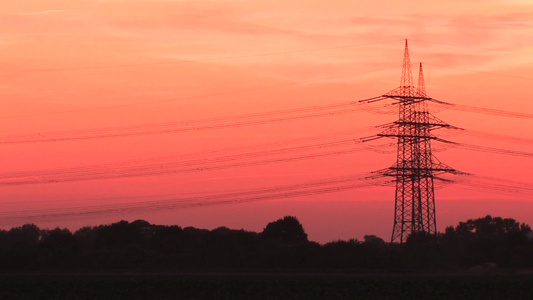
(407, 78)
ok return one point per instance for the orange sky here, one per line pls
(69, 65)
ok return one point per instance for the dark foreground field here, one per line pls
(264, 286)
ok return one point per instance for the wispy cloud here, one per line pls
(44, 12)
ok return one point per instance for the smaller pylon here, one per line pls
(421, 85)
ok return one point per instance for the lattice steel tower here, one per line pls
(415, 167)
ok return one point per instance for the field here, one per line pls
(264, 286)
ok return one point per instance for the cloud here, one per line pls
(44, 12)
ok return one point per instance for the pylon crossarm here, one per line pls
(445, 141)
(403, 100)
(387, 125)
(443, 167)
(371, 100)
(373, 176)
(370, 138)
(377, 174)
(444, 179)
(463, 173)
(408, 136)
(420, 171)
(411, 98)
(441, 102)
(434, 120)
(433, 125)
(456, 128)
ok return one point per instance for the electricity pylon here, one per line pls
(416, 167)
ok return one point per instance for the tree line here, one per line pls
(281, 246)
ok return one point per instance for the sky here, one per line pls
(69, 68)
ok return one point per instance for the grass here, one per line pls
(263, 286)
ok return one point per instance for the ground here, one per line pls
(265, 286)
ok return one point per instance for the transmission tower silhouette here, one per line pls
(416, 167)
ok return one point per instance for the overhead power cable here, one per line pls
(497, 185)
(484, 110)
(333, 109)
(177, 165)
(480, 148)
(206, 154)
(278, 192)
(498, 137)
(251, 119)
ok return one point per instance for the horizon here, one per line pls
(319, 235)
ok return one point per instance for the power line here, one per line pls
(159, 166)
(145, 171)
(498, 185)
(332, 185)
(189, 125)
(279, 192)
(496, 150)
(498, 137)
(259, 118)
(484, 110)
(205, 154)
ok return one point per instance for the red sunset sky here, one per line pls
(69, 66)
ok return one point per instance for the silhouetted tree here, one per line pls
(342, 255)
(282, 245)
(226, 248)
(121, 245)
(58, 247)
(487, 239)
(287, 229)
(168, 239)
(421, 251)
(373, 249)
(22, 246)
